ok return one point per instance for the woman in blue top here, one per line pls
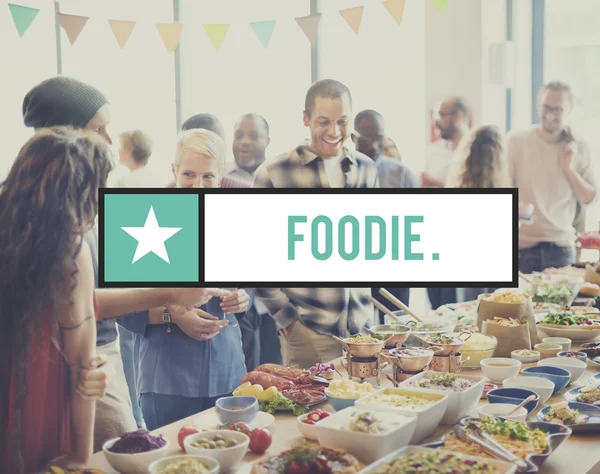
(185, 365)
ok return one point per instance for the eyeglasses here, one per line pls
(558, 111)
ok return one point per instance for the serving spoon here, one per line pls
(522, 404)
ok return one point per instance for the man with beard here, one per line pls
(452, 122)
(308, 317)
(250, 141)
(554, 172)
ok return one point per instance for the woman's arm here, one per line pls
(78, 331)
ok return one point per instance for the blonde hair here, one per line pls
(140, 143)
(202, 142)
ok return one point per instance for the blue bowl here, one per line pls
(340, 403)
(559, 377)
(513, 396)
(582, 356)
(236, 409)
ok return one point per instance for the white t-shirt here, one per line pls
(335, 175)
(439, 158)
(122, 177)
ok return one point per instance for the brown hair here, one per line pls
(484, 166)
(140, 144)
(49, 196)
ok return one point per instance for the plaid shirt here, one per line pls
(333, 311)
(300, 168)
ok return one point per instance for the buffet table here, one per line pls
(577, 455)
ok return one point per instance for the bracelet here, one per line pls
(166, 316)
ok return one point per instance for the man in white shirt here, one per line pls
(554, 172)
(130, 172)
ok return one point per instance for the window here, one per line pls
(139, 80)
(25, 62)
(244, 76)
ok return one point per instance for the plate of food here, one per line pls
(556, 288)
(532, 441)
(308, 457)
(579, 417)
(577, 327)
(589, 394)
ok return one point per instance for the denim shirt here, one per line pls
(175, 364)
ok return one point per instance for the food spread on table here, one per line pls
(478, 347)
(375, 423)
(184, 466)
(442, 381)
(516, 436)
(344, 388)
(556, 294)
(410, 401)
(214, 442)
(438, 462)
(140, 441)
(562, 414)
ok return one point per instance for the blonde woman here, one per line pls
(199, 159)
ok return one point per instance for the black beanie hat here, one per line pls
(61, 101)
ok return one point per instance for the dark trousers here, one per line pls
(161, 410)
(441, 296)
(260, 341)
(545, 255)
(403, 294)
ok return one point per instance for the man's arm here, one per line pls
(262, 179)
(278, 304)
(583, 182)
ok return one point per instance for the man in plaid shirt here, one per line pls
(309, 316)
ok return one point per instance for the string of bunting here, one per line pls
(170, 33)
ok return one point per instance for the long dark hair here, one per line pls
(48, 198)
(484, 164)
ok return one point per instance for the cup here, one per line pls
(548, 349)
(564, 342)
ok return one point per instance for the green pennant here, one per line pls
(23, 17)
(217, 34)
(440, 5)
(264, 31)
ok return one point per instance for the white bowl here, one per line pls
(136, 463)
(543, 387)
(212, 465)
(500, 373)
(460, 404)
(503, 409)
(525, 359)
(575, 367)
(564, 342)
(308, 431)
(366, 447)
(228, 458)
(428, 417)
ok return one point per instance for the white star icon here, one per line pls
(151, 237)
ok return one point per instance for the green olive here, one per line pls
(218, 437)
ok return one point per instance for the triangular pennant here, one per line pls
(73, 24)
(217, 34)
(122, 30)
(23, 17)
(310, 26)
(353, 17)
(395, 8)
(170, 34)
(440, 5)
(264, 31)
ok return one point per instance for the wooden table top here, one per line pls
(579, 454)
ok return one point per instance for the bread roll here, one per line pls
(589, 289)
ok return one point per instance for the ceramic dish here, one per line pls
(525, 356)
(555, 436)
(210, 422)
(574, 394)
(500, 466)
(211, 464)
(582, 356)
(498, 369)
(592, 424)
(575, 367)
(502, 410)
(559, 377)
(133, 463)
(575, 334)
(514, 396)
(595, 379)
(543, 387)
(227, 457)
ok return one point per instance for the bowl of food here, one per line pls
(589, 394)
(394, 335)
(447, 344)
(498, 369)
(227, 447)
(526, 356)
(343, 393)
(410, 359)
(367, 434)
(476, 348)
(306, 423)
(184, 463)
(579, 417)
(547, 349)
(556, 288)
(570, 324)
(582, 356)
(503, 410)
(563, 342)
(134, 452)
(236, 409)
(574, 366)
(426, 327)
(559, 377)
(543, 387)
(362, 346)
(514, 396)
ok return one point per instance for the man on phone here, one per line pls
(554, 172)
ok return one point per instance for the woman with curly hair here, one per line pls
(47, 203)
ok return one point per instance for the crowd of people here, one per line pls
(81, 365)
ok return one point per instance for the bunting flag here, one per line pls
(170, 34)
(440, 5)
(353, 17)
(310, 26)
(23, 17)
(121, 30)
(264, 31)
(73, 24)
(217, 34)
(395, 8)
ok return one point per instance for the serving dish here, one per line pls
(133, 463)
(559, 377)
(501, 466)
(210, 421)
(543, 387)
(572, 395)
(498, 369)
(575, 367)
(514, 396)
(503, 410)
(212, 464)
(575, 334)
(394, 335)
(227, 457)
(555, 436)
(592, 424)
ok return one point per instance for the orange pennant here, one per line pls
(353, 17)
(121, 30)
(73, 24)
(310, 26)
(395, 8)
(170, 34)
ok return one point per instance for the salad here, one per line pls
(568, 318)
(442, 381)
(518, 430)
(436, 462)
(560, 295)
(561, 413)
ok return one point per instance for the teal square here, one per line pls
(436, 256)
(177, 217)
